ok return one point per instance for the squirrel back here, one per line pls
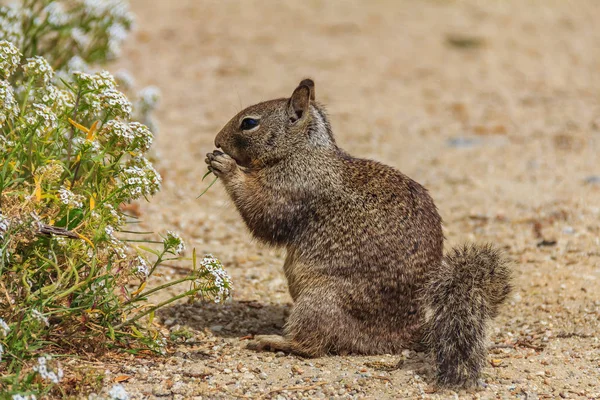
(365, 262)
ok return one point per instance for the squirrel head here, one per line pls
(272, 130)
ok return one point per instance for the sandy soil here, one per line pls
(494, 106)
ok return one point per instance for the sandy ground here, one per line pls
(494, 106)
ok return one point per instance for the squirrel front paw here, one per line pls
(221, 164)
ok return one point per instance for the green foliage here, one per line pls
(71, 153)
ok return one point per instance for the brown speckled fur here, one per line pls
(364, 242)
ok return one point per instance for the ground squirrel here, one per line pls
(365, 264)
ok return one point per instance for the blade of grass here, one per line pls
(209, 186)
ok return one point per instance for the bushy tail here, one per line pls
(461, 297)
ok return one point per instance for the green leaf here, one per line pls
(149, 250)
(71, 220)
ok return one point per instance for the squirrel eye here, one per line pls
(249, 123)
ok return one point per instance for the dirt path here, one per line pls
(494, 106)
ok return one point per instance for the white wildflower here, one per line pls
(142, 267)
(109, 230)
(117, 217)
(118, 392)
(51, 172)
(42, 118)
(149, 97)
(80, 37)
(62, 242)
(4, 225)
(4, 328)
(66, 99)
(48, 373)
(9, 108)
(119, 131)
(116, 102)
(93, 82)
(56, 14)
(38, 67)
(117, 9)
(159, 345)
(11, 27)
(117, 245)
(77, 64)
(142, 137)
(99, 286)
(40, 317)
(220, 277)
(69, 198)
(117, 33)
(174, 242)
(10, 58)
(48, 95)
(24, 397)
(140, 178)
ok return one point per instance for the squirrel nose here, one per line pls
(217, 144)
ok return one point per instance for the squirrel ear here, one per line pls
(311, 84)
(299, 102)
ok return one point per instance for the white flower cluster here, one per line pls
(109, 230)
(40, 317)
(103, 8)
(55, 14)
(24, 397)
(117, 34)
(149, 97)
(93, 82)
(62, 242)
(159, 345)
(101, 93)
(117, 218)
(117, 245)
(142, 137)
(11, 27)
(140, 178)
(42, 118)
(174, 242)
(119, 130)
(47, 373)
(220, 277)
(39, 68)
(51, 172)
(69, 198)
(4, 328)
(77, 65)
(115, 101)
(116, 19)
(142, 267)
(48, 94)
(118, 392)
(4, 225)
(80, 37)
(9, 58)
(9, 108)
(99, 286)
